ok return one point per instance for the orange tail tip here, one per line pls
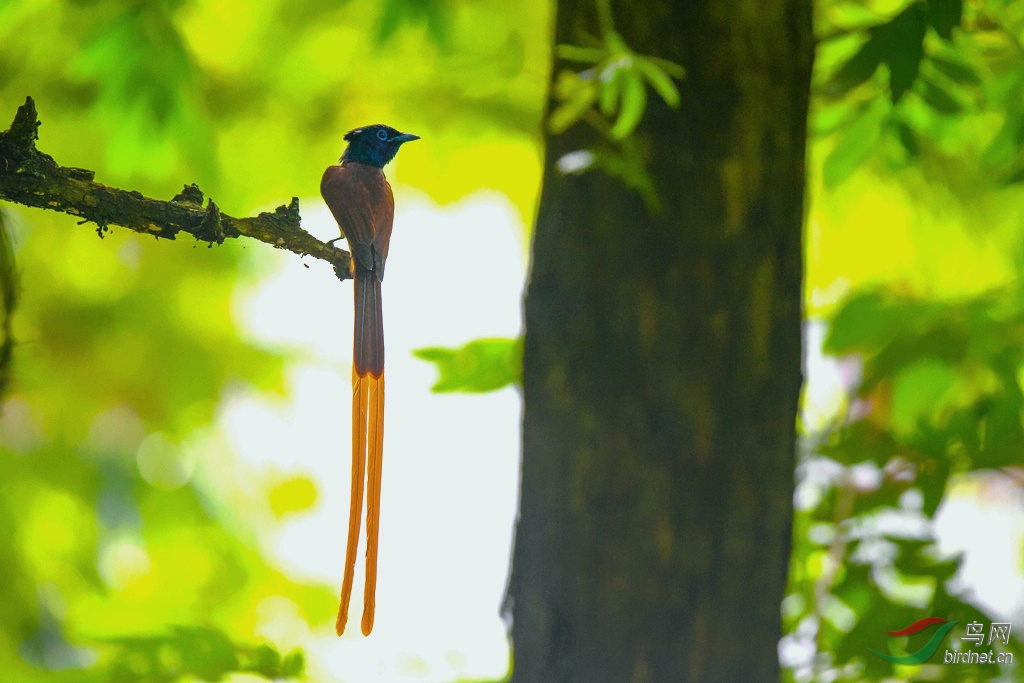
(375, 460)
(360, 396)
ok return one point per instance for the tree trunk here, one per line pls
(662, 365)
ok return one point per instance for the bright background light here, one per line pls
(450, 480)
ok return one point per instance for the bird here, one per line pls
(360, 198)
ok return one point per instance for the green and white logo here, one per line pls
(929, 648)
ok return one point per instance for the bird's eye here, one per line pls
(382, 134)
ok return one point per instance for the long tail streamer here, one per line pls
(355, 511)
(367, 431)
(376, 446)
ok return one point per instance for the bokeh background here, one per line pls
(173, 440)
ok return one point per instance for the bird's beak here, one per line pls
(404, 137)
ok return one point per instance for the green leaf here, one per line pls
(207, 653)
(634, 100)
(955, 70)
(854, 146)
(944, 16)
(857, 69)
(671, 68)
(875, 613)
(1001, 437)
(294, 664)
(574, 53)
(265, 661)
(930, 454)
(610, 91)
(390, 19)
(1003, 148)
(481, 365)
(577, 95)
(436, 14)
(201, 652)
(906, 136)
(627, 165)
(921, 558)
(660, 81)
(1014, 178)
(860, 441)
(852, 16)
(920, 392)
(903, 41)
(831, 118)
(886, 496)
(616, 46)
(863, 324)
(937, 98)
(439, 20)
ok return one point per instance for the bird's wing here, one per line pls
(383, 221)
(361, 200)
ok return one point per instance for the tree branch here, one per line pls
(32, 178)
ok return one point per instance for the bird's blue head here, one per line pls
(374, 145)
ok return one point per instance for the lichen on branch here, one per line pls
(32, 178)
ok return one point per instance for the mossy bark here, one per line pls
(662, 365)
(32, 178)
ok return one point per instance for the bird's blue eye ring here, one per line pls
(382, 134)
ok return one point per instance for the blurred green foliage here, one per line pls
(617, 81)
(128, 550)
(108, 527)
(939, 397)
(609, 96)
(952, 74)
(914, 261)
(204, 653)
(479, 366)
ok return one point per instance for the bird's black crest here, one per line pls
(374, 145)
